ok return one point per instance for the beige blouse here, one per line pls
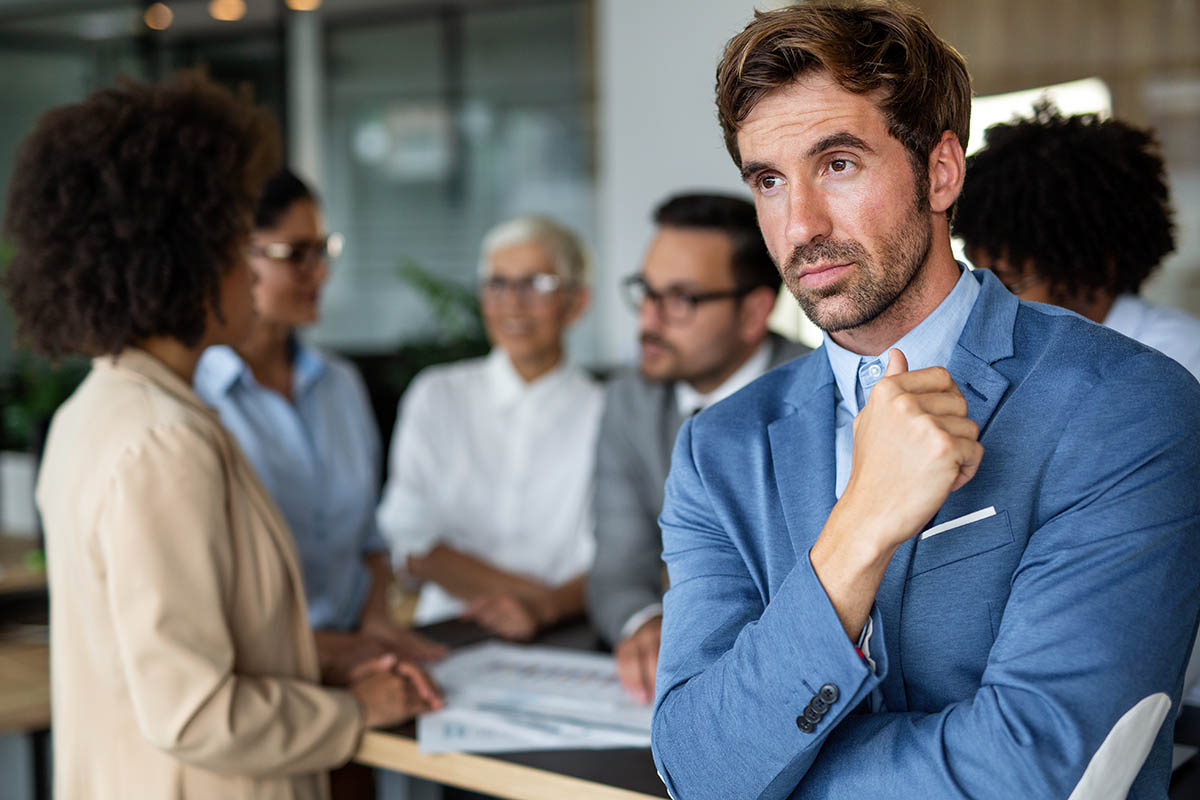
(182, 665)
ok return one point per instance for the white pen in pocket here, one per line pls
(958, 522)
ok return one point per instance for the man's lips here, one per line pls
(817, 275)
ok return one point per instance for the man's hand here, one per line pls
(509, 615)
(394, 692)
(406, 644)
(637, 659)
(913, 445)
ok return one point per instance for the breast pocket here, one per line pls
(960, 538)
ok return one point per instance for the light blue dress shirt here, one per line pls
(319, 457)
(929, 344)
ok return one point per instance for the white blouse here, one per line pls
(494, 467)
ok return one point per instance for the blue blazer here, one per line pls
(1005, 648)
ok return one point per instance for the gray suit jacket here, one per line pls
(633, 456)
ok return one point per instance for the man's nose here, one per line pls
(650, 314)
(808, 218)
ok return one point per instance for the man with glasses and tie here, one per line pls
(702, 298)
(488, 498)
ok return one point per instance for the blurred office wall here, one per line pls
(657, 133)
(425, 121)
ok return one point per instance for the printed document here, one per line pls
(504, 698)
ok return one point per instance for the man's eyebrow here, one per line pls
(752, 167)
(833, 140)
(839, 139)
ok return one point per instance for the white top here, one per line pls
(1172, 332)
(494, 467)
(689, 401)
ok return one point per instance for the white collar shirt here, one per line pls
(495, 467)
(689, 401)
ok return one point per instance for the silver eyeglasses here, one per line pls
(299, 253)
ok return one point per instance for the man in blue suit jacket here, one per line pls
(955, 552)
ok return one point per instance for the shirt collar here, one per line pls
(689, 401)
(308, 365)
(221, 368)
(929, 344)
(505, 385)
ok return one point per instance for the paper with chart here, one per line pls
(506, 698)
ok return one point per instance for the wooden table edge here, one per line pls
(481, 773)
(25, 692)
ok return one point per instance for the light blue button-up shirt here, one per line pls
(929, 344)
(319, 457)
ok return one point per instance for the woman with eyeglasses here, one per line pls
(488, 500)
(302, 417)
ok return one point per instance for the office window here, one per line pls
(438, 127)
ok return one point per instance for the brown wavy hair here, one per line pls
(125, 210)
(864, 47)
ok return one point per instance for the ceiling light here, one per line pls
(158, 17)
(303, 5)
(227, 10)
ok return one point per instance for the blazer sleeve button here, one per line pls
(812, 715)
(829, 694)
(820, 705)
(804, 725)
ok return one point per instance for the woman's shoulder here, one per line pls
(119, 423)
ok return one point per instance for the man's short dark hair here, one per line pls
(126, 209)
(751, 262)
(865, 47)
(1083, 199)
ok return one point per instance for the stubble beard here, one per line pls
(871, 288)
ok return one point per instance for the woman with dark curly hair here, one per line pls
(182, 664)
(1075, 211)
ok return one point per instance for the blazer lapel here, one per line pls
(986, 338)
(277, 528)
(802, 452)
(147, 368)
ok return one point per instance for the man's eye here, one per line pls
(677, 298)
(839, 165)
(768, 182)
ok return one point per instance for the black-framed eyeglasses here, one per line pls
(674, 304)
(299, 253)
(539, 286)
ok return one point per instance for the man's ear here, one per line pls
(947, 165)
(756, 307)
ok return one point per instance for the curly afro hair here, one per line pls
(126, 209)
(1083, 199)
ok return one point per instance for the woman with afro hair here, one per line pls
(1075, 211)
(182, 663)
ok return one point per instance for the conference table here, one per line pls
(620, 774)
